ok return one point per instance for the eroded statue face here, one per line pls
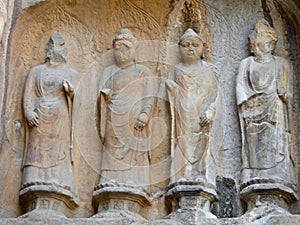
(191, 49)
(57, 53)
(262, 46)
(124, 52)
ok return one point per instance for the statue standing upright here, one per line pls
(194, 96)
(264, 99)
(125, 108)
(49, 97)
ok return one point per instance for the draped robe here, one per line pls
(265, 119)
(196, 94)
(125, 158)
(48, 156)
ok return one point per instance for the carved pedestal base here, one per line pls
(269, 198)
(120, 202)
(191, 201)
(47, 200)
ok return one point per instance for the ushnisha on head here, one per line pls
(191, 46)
(124, 45)
(190, 33)
(125, 34)
(56, 49)
(262, 38)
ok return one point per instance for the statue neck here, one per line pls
(263, 58)
(124, 65)
(190, 62)
(55, 64)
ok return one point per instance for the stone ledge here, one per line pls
(274, 220)
(266, 220)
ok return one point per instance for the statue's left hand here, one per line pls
(281, 91)
(69, 89)
(205, 118)
(141, 122)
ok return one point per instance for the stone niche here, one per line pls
(88, 28)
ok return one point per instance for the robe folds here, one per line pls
(264, 99)
(48, 150)
(125, 155)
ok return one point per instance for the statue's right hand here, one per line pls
(106, 93)
(171, 85)
(32, 119)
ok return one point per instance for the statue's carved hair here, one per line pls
(125, 34)
(191, 33)
(262, 29)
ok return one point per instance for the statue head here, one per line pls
(191, 46)
(124, 45)
(56, 49)
(262, 38)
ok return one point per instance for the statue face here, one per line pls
(262, 46)
(57, 53)
(124, 52)
(191, 49)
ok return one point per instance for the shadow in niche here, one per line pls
(228, 205)
(291, 24)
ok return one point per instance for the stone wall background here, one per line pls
(88, 27)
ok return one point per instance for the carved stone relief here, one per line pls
(50, 104)
(264, 98)
(194, 99)
(116, 193)
(126, 106)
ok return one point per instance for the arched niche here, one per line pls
(88, 27)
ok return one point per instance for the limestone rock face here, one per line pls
(163, 112)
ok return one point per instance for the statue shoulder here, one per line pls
(37, 68)
(246, 61)
(282, 61)
(143, 70)
(212, 67)
(111, 69)
(142, 67)
(73, 72)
